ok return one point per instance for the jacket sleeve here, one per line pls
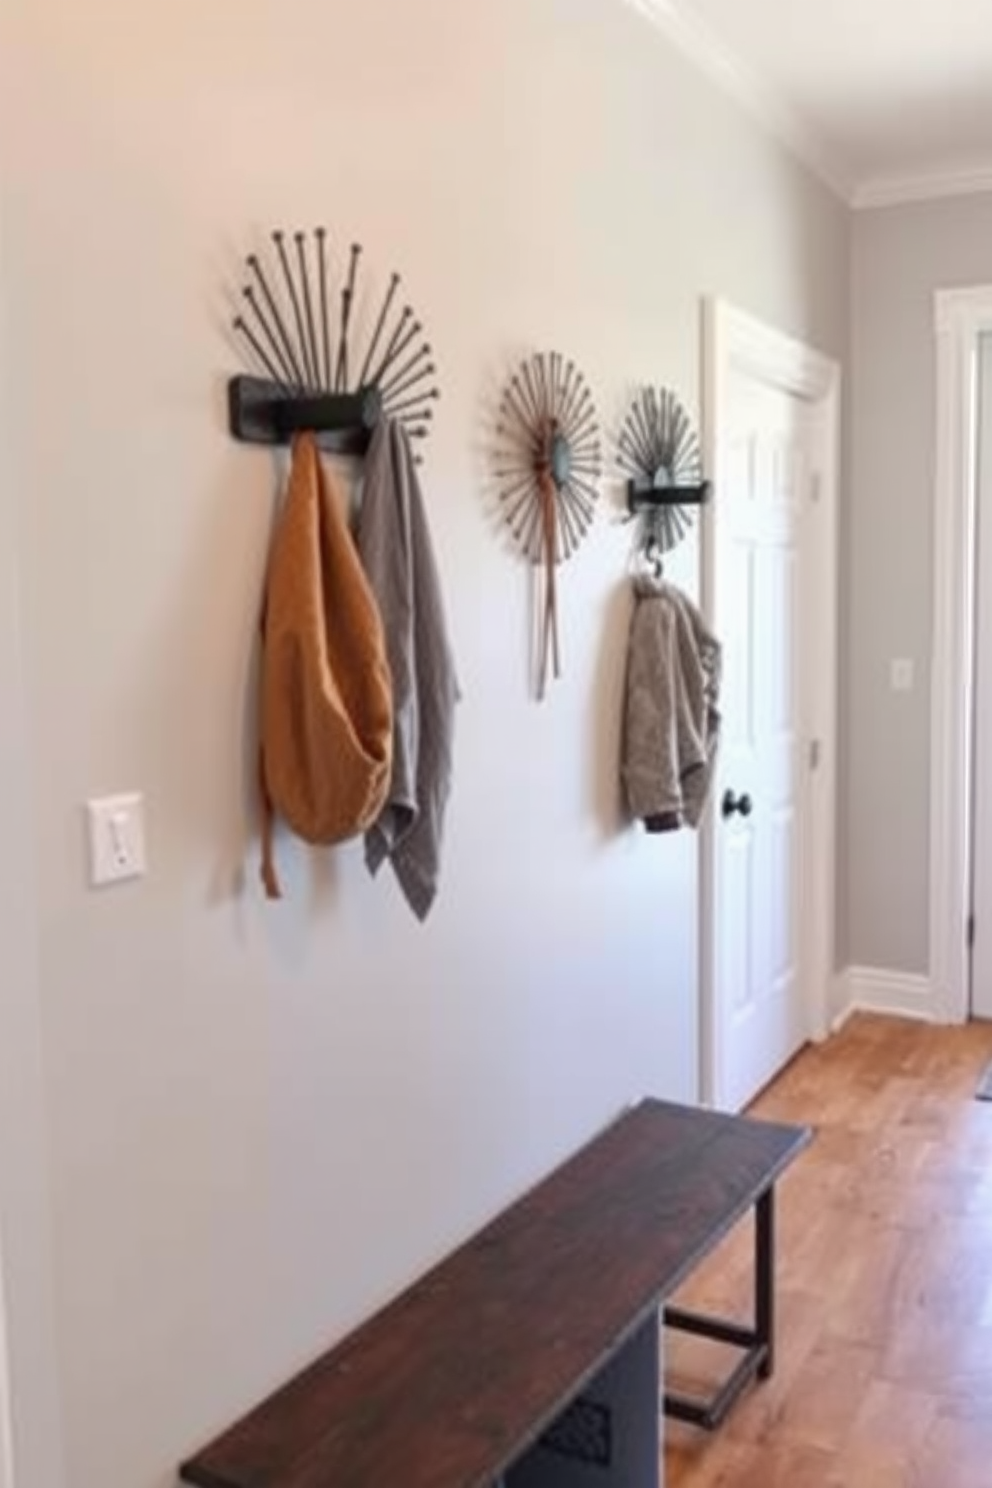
(699, 768)
(650, 761)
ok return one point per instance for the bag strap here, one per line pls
(268, 873)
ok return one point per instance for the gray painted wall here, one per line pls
(262, 1121)
(900, 256)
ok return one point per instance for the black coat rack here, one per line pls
(307, 361)
(659, 450)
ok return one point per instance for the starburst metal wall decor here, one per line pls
(548, 464)
(659, 450)
(313, 378)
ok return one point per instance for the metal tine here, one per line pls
(523, 499)
(637, 443)
(578, 410)
(628, 450)
(590, 492)
(398, 330)
(542, 373)
(431, 396)
(585, 427)
(538, 384)
(513, 481)
(576, 395)
(279, 238)
(286, 376)
(325, 322)
(394, 284)
(644, 425)
(513, 400)
(304, 265)
(656, 413)
(550, 374)
(414, 416)
(525, 393)
(530, 380)
(400, 391)
(561, 387)
(398, 383)
(588, 448)
(529, 529)
(587, 444)
(403, 336)
(644, 439)
(517, 497)
(569, 379)
(240, 324)
(568, 522)
(553, 409)
(566, 538)
(287, 341)
(581, 496)
(347, 297)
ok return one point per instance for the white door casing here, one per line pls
(962, 317)
(767, 902)
(981, 896)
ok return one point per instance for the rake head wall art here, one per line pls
(318, 375)
(548, 464)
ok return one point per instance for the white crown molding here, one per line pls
(893, 191)
(697, 41)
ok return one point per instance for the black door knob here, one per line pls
(736, 805)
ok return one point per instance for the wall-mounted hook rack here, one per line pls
(642, 497)
(287, 328)
(265, 413)
(659, 450)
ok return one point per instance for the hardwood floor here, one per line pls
(884, 1374)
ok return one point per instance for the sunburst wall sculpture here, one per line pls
(314, 378)
(659, 450)
(548, 464)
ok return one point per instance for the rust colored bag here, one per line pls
(326, 695)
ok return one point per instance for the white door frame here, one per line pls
(735, 340)
(962, 316)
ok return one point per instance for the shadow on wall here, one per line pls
(606, 714)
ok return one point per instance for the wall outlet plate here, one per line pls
(116, 839)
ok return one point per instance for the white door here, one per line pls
(981, 966)
(760, 603)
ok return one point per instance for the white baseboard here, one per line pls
(897, 994)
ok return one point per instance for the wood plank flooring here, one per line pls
(884, 1375)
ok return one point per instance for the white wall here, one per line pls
(264, 1120)
(901, 255)
(29, 1418)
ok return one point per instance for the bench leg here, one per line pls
(757, 1343)
(764, 1279)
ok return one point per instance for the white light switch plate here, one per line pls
(902, 675)
(117, 839)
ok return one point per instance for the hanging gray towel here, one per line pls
(395, 548)
(672, 720)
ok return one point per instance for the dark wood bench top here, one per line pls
(449, 1384)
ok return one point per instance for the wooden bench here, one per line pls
(532, 1353)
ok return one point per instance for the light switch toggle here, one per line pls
(117, 839)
